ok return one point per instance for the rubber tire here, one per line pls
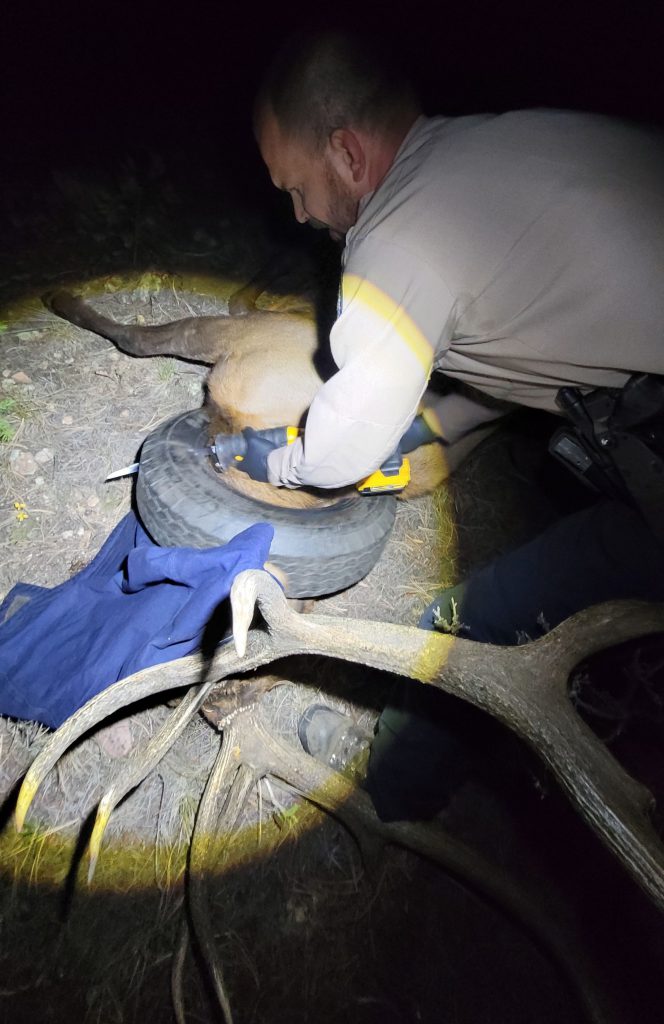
(183, 502)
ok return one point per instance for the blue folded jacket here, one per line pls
(135, 605)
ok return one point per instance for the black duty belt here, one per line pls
(614, 442)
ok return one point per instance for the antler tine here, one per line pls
(252, 587)
(119, 695)
(137, 768)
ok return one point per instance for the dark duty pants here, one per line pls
(429, 743)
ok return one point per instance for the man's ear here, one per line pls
(347, 154)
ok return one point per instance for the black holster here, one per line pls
(614, 443)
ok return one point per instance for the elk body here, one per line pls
(263, 375)
(263, 362)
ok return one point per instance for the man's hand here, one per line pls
(419, 432)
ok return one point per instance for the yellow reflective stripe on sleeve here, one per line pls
(433, 422)
(358, 289)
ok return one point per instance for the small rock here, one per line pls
(23, 463)
(44, 456)
(69, 360)
(6, 373)
(28, 335)
(125, 414)
(39, 481)
(92, 501)
(66, 534)
(21, 378)
(43, 366)
(67, 420)
(80, 531)
(297, 911)
(114, 356)
(116, 740)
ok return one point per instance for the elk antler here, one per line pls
(251, 751)
(524, 687)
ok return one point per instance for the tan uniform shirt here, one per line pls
(517, 253)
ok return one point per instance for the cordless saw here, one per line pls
(391, 477)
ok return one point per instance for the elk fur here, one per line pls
(263, 375)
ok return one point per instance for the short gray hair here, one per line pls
(320, 82)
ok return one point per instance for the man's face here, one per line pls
(319, 194)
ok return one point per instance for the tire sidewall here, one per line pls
(183, 502)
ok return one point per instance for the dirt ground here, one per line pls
(305, 932)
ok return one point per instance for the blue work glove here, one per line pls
(419, 432)
(259, 445)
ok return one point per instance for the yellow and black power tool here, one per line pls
(390, 478)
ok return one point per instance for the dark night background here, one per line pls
(84, 84)
(83, 88)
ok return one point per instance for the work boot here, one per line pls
(335, 740)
